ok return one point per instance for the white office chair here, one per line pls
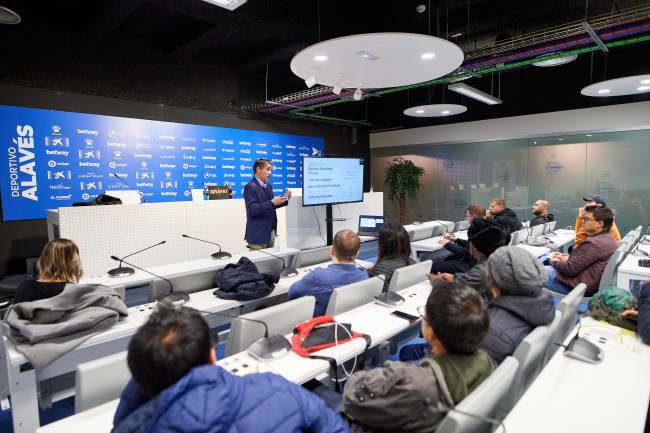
(100, 381)
(312, 256)
(530, 355)
(569, 308)
(551, 226)
(418, 235)
(438, 230)
(552, 331)
(461, 225)
(194, 282)
(280, 319)
(353, 295)
(608, 279)
(409, 275)
(483, 401)
(521, 236)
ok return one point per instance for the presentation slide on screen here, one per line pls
(332, 180)
(51, 159)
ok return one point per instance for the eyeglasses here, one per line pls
(587, 219)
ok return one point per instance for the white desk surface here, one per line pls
(432, 244)
(182, 268)
(372, 319)
(571, 396)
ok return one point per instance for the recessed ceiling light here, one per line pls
(445, 112)
(435, 110)
(455, 35)
(473, 93)
(427, 56)
(603, 91)
(320, 58)
(419, 111)
(642, 88)
(645, 82)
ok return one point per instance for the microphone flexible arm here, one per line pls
(144, 249)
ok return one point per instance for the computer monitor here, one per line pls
(369, 225)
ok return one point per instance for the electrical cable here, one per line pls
(313, 208)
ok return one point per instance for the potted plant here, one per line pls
(403, 179)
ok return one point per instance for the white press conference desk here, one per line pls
(371, 319)
(571, 396)
(629, 270)
(23, 379)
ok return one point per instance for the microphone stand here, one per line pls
(115, 175)
(123, 271)
(218, 255)
(176, 298)
(385, 298)
(286, 272)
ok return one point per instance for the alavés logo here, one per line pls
(22, 164)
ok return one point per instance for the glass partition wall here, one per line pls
(561, 170)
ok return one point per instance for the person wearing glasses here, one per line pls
(400, 396)
(581, 234)
(588, 260)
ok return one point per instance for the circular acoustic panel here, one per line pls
(435, 110)
(377, 60)
(7, 16)
(557, 60)
(619, 86)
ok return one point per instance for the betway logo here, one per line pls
(188, 148)
(166, 137)
(167, 165)
(290, 146)
(143, 155)
(261, 152)
(229, 167)
(190, 175)
(291, 168)
(210, 158)
(87, 132)
(57, 152)
(116, 144)
(274, 160)
(245, 143)
(144, 184)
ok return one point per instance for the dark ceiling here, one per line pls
(262, 35)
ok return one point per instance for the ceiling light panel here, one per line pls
(474, 93)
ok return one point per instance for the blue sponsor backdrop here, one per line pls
(53, 158)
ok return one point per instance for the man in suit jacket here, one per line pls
(261, 220)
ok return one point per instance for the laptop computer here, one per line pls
(369, 225)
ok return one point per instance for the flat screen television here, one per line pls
(331, 181)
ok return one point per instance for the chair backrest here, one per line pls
(569, 308)
(461, 225)
(409, 275)
(483, 401)
(551, 347)
(514, 238)
(188, 283)
(418, 235)
(312, 256)
(537, 230)
(608, 278)
(551, 226)
(522, 236)
(353, 295)
(530, 355)
(100, 381)
(280, 319)
(439, 230)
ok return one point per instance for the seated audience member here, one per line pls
(457, 257)
(320, 282)
(484, 238)
(542, 211)
(503, 215)
(399, 396)
(581, 234)
(58, 265)
(177, 388)
(588, 260)
(642, 313)
(519, 303)
(394, 251)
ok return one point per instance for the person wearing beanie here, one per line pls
(519, 303)
(484, 238)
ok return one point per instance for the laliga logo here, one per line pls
(112, 164)
(85, 196)
(187, 193)
(56, 129)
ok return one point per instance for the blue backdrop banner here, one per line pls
(54, 158)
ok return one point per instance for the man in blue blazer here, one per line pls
(261, 220)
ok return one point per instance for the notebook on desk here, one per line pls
(369, 225)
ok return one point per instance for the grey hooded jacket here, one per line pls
(47, 329)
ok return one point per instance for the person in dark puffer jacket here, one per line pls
(503, 215)
(519, 302)
(176, 388)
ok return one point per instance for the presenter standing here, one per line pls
(261, 220)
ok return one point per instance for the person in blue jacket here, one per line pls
(321, 282)
(261, 220)
(177, 388)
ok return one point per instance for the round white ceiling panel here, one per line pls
(377, 60)
(435, 110)
(619, 86)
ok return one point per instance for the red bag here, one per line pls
(320, 333)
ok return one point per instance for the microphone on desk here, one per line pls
(172, 297)
(219, 255)
(117, 176)
(385, 298)
(123, 271)
(443, 225)
(287, 271)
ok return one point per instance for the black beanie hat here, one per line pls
(487, 236)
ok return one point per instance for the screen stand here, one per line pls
(330, 224)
